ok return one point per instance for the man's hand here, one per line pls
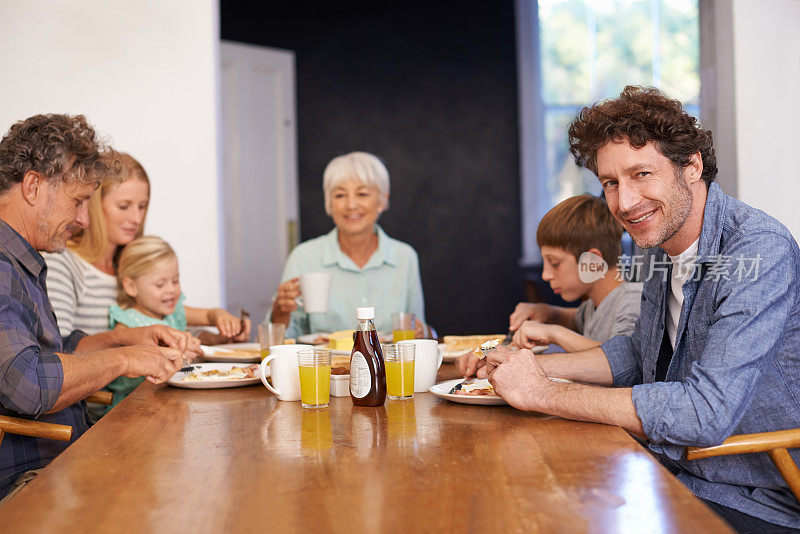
(533, 333)
(161, 336)
(468, 364)
(526, 311)
(158, 364)
(518, 378)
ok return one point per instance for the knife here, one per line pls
(509, 337)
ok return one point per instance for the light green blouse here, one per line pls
(390, 282)
(134, 318)
(122, 386)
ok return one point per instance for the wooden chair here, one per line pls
(773, 443)
(38, 429)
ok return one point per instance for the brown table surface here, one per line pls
(239, 460)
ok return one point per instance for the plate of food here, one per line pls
(232, 352)
(478, 391)
(215, 375)
(475, 391)
(318, 338)
(454, 346)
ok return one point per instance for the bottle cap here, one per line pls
(366, 312)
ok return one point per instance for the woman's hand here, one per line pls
(285, 302)
(423, 331)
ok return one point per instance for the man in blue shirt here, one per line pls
(48, 165)
(716, 349)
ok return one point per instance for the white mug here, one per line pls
(427, 360)
(283, 371)
(316, 290)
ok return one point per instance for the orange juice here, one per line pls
(315, 385)
(399, 379)
(264, 354)
(402, 335)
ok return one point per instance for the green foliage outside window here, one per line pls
(590, 50)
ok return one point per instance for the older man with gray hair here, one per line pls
(48, 169)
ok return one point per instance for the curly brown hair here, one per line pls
(52, 145)
(641, 115)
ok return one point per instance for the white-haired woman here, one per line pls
(368, 268)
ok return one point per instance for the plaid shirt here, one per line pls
(30, 372)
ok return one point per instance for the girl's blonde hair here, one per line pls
(91, 242)
(139, 257)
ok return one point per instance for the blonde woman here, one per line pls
(149, 293)
(81, 281)
(368, 268)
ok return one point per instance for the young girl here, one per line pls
(149, 293)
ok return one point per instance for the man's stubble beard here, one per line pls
(53, 243)
(680, 200)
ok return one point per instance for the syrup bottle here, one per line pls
(367, 372)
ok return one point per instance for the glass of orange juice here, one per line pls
(399, 362)
(270, 334)
(403, 326)
(314, 366)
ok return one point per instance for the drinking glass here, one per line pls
(399, 362)
(403, 325)
(270, 334)
(314, 366)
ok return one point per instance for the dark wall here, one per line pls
(431, 89)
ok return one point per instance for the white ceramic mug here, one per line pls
(316, 290)
(283, 371)
(427, 360)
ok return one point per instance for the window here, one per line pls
(573, 53)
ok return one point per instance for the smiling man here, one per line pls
(716, 349)
(48, 169)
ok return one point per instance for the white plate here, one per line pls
(177, 378)
(230, 353)
(451, 356)
(442, 389)
(312, 339)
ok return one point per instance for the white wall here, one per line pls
(767, 95)
(145, 73)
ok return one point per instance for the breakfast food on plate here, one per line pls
(233, 373)
(341, 340)
(239, 352)
(484, 347)
(320, 339)
(462, 344)
(480, 389)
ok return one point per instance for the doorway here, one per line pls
(259, 172)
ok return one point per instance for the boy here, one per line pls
(578, 239)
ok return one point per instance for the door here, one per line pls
(259, 172)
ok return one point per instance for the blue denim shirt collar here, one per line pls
(713, 221)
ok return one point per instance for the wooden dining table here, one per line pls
(238, 460)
